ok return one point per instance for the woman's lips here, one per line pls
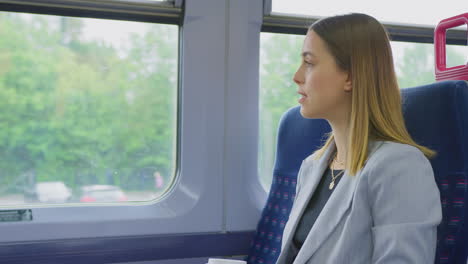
(303, 97)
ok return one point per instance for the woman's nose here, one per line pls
(296, 78)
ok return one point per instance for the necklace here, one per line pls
(332, 184)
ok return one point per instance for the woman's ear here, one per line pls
(348, 85)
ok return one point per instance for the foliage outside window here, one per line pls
(87, 115)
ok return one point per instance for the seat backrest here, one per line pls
(436, 116)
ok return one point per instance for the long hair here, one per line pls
(360, 46)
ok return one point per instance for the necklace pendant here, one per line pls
(332, 184)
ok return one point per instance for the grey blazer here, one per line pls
(387, 213)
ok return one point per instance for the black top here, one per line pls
(312, 211)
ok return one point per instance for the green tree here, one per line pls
(76, 112)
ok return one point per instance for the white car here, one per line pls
(52, 192)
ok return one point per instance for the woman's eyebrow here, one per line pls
(308, 53)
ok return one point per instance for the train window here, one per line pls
(399, 11)
(89, 109)
(279, 59)
(414, 62)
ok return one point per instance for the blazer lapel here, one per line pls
(333, 211)
(329, 217)
(309, 184)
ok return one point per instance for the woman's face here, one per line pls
(324, 88)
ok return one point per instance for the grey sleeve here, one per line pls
(405, 207)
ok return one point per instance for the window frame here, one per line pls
(196, 171)
(297, 24)
(275, 22)
(131, 10)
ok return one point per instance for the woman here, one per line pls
(369, 194)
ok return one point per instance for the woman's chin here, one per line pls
(306, 113)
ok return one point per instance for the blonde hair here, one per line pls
(360, 46)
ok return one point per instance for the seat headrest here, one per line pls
(436, 116)
(298, 137)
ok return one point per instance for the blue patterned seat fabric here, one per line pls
(436, 116)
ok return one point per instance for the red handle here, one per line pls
(459, 72)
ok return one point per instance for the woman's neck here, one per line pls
(340, 134)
